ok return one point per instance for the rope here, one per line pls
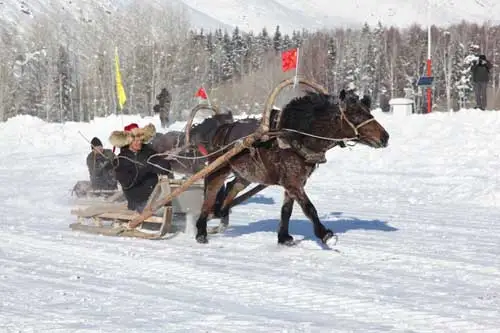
(204, 156)
(102, 154)
(317, 136)
(275, 134)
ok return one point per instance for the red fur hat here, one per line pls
(130, 127)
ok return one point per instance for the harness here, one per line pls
(309, 155)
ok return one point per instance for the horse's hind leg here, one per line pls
(286, 211)
(309, 210)
(213, 183)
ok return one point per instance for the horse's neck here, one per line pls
(317, 137)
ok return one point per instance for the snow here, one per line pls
(418, 226)
(256, 14)
(401, 101)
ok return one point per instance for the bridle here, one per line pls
(355, 128)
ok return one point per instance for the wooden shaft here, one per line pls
(250, 193)
(266, 117)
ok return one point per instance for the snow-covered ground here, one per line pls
(418, 251)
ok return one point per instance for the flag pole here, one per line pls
(429, 56)
(296, 68)
(120, 91)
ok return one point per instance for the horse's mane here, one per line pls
(301, 111)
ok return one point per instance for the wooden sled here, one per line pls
(111, 218)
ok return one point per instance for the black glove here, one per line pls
(108, 165)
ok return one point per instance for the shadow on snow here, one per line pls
(335, 221)
(258, 199)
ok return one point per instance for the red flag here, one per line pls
(201, 93)
(289, 59)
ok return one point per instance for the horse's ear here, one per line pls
(366, 101)
(342, 95)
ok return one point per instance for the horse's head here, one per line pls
(223, 117)
(204, 131)
(359, 123)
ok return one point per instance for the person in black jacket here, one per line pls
(99, 164)
(136, 167)
(480, 77)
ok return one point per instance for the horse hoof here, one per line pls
(286, 240)
(222, 228)
(330, 237)
(288, 243)
(202, 239)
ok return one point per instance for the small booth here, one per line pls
(402, 106)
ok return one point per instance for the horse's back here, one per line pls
(238, 129)
(163, 143)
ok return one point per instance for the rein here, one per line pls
(342, 117)
(272, 134)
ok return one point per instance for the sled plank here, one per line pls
(166, 227)
(95, 210)
(108, 231)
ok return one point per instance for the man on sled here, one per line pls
(102, 176)
(137, 166)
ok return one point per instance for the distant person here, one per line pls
(480, 70)
(100, 166)
(163, 107)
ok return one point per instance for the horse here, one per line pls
(316, 123)
(188, 157)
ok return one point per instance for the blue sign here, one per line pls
(425, 81)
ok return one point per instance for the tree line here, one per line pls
(65, 73)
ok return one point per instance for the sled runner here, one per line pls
(110, 217)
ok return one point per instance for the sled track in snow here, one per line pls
(309, 289)
(400, 266)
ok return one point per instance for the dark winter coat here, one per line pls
(481, 70)
(137, 177)
(102, 175)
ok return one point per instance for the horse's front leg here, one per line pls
(286, 211)
(213, 183)
(309, 210)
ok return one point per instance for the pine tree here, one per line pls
(380, 92)
(277, 40)
(64, 86)
(296, 39)
(462, 78)
(265, 41)
(239, 51)
(331, 65)
(227, 65)
(287, 43)
(367, 62)
(251, 46)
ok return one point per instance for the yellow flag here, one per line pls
(120, 92)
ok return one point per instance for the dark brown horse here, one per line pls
(186, 157)
(313, 123)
